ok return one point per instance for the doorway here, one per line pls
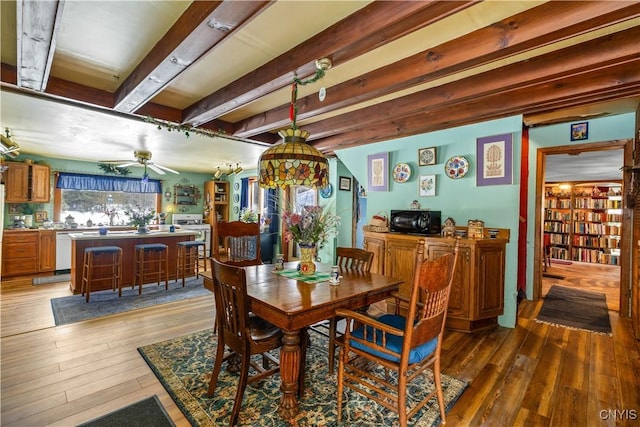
(569, 270)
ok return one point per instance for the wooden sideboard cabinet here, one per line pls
(477, 295)
(27, 183)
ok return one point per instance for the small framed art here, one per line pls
(14, 208)
(41, 216)
(579, 131)
(345, 183)
(427, 185)
(378, 172)
(427, 156)
(494, 155)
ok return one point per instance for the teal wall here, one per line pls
(461, 198)
(169, 180)
(602, 129)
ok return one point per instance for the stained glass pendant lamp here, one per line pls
(293, 161)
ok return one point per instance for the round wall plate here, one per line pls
(401, 172)
(327, 191)
(456, 167)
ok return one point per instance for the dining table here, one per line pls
(293, 301)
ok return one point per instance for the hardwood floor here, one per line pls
(588, 277)
(534, 375)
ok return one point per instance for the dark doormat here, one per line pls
(145, 413)
(575, 309)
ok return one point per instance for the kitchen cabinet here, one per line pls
(27, 183)
(47, 250)
(477, 293)
(20, 252)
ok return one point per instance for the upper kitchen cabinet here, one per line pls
(26, 182)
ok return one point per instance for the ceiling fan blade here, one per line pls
(155, 168)
(167, 169)
(126, 165)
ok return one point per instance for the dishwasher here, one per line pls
(63, 250)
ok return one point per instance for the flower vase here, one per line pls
(307, 253)
(142, 229)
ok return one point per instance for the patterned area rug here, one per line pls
(74, 308)
(575, 309)
(184, 366)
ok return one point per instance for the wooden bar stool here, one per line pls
(188, 255)
(101, 263)
(151, 259)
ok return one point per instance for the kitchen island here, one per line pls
(127, 240)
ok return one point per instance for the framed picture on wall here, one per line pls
(345, 183)
(427, 185)
(495, 160)
(378, 172)
(579, 131)
(41, 216)
(427, 156)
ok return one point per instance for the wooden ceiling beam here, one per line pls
(37, 24)
(546, 24)
(202, 27)
(605, 51)
(372, 26)
(601, 84)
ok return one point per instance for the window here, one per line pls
(103, 200)
(102, 207)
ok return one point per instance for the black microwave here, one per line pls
(415, 221)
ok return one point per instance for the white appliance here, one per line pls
(195, 222)
(63, 250)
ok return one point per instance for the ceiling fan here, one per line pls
(143, 158)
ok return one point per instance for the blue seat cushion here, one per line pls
(152, 247)
(191, 243)
(394, 342)
(102, 249)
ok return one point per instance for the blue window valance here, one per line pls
(78, 181)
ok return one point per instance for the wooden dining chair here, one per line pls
(346, 258)
(406, 345)
(244, 333)
(237, 243)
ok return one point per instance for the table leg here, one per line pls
(290, 354)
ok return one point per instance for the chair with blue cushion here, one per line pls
(101, 264)
(150, 259)
(407, 345)
(188, 259)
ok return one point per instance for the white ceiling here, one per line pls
(586, 166)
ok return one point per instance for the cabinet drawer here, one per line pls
(19, 266)
(19, 251)
(22, 238)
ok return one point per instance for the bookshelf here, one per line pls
(584, 221)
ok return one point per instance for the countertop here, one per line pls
(129, 234)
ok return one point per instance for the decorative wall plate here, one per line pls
(236, 186)
(456, 167)
(236, 198)
(401, 172)
(327, 191)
